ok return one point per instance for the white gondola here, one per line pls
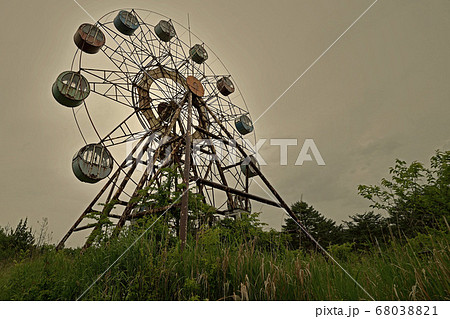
(92, 163)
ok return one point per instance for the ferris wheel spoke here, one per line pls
(197, 70)
(165, 90)
(140, 38)
(122, 133)
(120, 60)
(123, 60)
(165, 55)
(145, 38)
(180, 52)
(110, 84)
(122, 43)
(175, 54)
(159, 48)
(237, 110)
(223, 128)
(150, 40)
(137, 52)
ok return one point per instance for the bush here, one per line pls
(424, 244)
(15, 241)
(342, 252)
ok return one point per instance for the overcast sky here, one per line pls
(380, 93)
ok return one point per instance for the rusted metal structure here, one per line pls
(182, 112)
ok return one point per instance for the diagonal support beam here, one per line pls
(97, 197)
(145, 176)
(205, 182)
(258, 171)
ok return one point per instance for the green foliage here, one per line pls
(342, 252)
(323, 229)
(168, 194)
(16, 241)
(414, 197)
(247, 227)
(426, 243)
(365, 229)
(22, 237)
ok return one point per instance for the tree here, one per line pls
(168, 195)
(323, 229)
(365, 229)
(414, 197)
(245, 228)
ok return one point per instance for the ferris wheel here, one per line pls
(139, 78)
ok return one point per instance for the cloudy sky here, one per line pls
(380, 93)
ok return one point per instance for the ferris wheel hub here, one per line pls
(195, 86)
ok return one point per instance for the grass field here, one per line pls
(218, 267)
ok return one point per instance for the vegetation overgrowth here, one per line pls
(401, 253)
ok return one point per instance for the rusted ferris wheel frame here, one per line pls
(132, 87)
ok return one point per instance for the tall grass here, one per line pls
(215, 266)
